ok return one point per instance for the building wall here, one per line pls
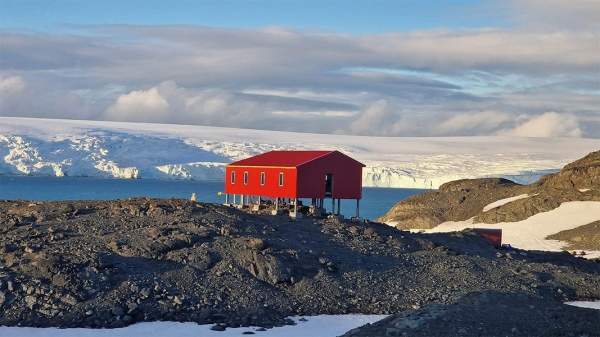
(347, 177)
(271, 187)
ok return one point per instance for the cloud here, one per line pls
(23, 97)
(478, 123)
(376, 118)
(446, 82)
(225, 57)
(168, 102)
(145, 105)
(549, 124)
(11, 85)
(566, 14)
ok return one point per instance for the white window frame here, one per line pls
(281, 181)
(232, 177)
(246, 177)
(263, 178)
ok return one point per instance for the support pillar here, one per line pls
(295, 206)
(332, 205)
(277, 204)
(358, 208)
(234, 198)
(226, 198)
(339, 206)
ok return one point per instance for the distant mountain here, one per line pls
(561, 206)
(137, 150)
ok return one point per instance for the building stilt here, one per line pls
(339, 206)
(295, 207)
(358, 208)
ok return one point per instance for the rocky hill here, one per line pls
(465, 199)
(113, 263)
(454, 201)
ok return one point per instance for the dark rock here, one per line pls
(255, 243)
(369, 231)
(117, 311)
(145, 293)
(69, 299)
(31, 301)
(218, 327)
(267, 267)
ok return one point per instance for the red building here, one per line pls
(314, 175)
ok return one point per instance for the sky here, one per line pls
(385, 68)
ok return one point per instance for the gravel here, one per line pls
(106, 264)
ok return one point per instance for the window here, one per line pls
(246, 178)
(280, 178)
(232, 177)
(262, 179)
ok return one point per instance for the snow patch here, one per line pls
(585, 304)
(315, 326)
(531, 233)
(504, 202)
(583, 190)
(198, 171)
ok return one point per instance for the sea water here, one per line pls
(375, 201)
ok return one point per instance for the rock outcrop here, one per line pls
(579, 175)
(454, 201)
(586, 237)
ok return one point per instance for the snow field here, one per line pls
(139, 150)
(531, 233)
(315, 326)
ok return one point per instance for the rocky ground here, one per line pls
(464, 199)
(585, 237)
(488, 314)
(113, 263)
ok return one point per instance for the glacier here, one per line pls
(52, 147)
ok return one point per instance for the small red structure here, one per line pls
(493, 236)
(296, 174)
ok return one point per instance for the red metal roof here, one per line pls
(282, 158)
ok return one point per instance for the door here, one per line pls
(328, 185)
